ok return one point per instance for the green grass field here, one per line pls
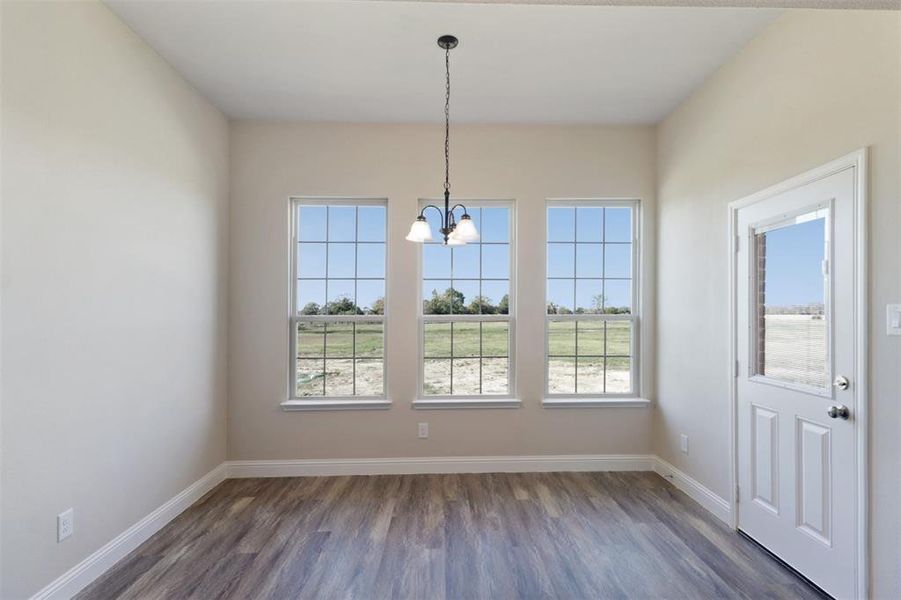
(336, 340)
(466, 340)
(592, 335)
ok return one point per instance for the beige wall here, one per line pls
(272, 161)
(812, 87)
(114, 191)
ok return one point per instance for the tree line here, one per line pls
(597, 308)
(343, 306)
(452, 301)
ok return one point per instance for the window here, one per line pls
(791, 300)
(467, 307)
(592, 283)
(337, 327)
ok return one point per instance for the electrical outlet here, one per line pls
(65, 524)
(423, 431)
(683, 443)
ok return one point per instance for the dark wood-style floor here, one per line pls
(538, 535)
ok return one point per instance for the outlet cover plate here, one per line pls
(65, 524)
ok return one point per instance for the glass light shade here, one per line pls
(420, 231)
(466, 230)
(454, 240)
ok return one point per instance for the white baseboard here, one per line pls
(717, 505)
(78, 577)
(85, 572)
(440, 464)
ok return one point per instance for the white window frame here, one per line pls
(295, 402)
(594, 398)
(447, 401)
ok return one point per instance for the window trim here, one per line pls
(632, 398)
(345, 402)
(480, 401)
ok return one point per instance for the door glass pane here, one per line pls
(791, 332)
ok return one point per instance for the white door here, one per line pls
(795, 339)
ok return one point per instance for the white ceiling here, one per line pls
(378, 61)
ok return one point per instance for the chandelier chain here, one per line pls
(447, 121)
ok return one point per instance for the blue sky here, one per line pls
(794, 255)
(342, 222)
(589, 224)
(341, 257)
(589, 248)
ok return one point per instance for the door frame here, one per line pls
(858, 160)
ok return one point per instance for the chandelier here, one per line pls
(454, 233)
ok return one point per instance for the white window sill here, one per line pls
(451, 403)
(292, 405)
(595, 402)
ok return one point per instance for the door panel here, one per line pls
(814, 488)
(765, 455)
(795, 330)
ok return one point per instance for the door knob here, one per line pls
(838, 412)
(841, 382)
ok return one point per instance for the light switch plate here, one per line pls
(893, 319)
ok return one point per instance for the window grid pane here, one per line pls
(589, 272)
(330, 355)
(597, 269)
(339, 271)
(589, 356)
(469, 356)
(463, 352)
